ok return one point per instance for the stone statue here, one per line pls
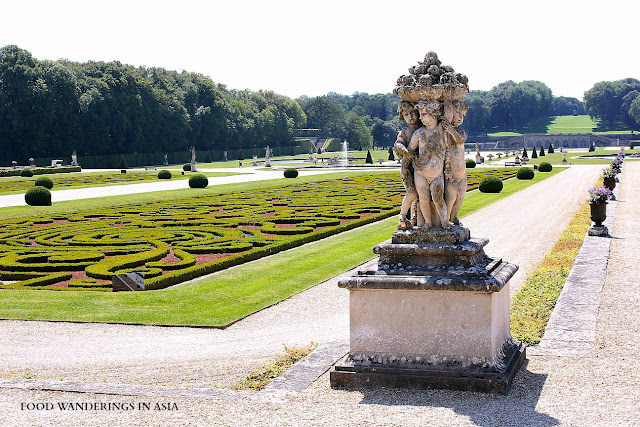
(455, 170)
(429, 142)
(74, 158)
(193, 154)
(410, 115)
(165, 161)
(267, 158)
(435, 150)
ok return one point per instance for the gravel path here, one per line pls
(548, 391)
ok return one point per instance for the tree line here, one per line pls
(51, 108)
(615, 103)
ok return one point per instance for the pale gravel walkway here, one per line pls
(543, 392)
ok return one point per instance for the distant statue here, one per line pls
(193, 160)
(74, 158)
(267, 158)
(31, 162)
(165, 161)
(224, 156)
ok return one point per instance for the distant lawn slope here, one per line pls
(563, 124)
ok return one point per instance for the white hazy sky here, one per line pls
(311, 48)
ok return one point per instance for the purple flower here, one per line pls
(599, 194)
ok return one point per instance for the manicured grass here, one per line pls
(563, 124)
(75, 180)
(532, 306)
(157, 196)
(229, 295)
(572, 157)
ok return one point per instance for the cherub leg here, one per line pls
(450, 196)
(408, 200)
(462, 191)
(424, 196)
(437, 195)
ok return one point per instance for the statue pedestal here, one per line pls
(434, 314)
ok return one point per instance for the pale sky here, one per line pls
(311, 48)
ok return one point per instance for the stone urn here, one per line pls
(598, 212)
(610, 183)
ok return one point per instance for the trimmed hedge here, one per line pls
(290, 173)
(525, 173)
(44, 181)
(490, 184)
(41, 171)
(38, 196)
(545, 167)
(198, 181)
(186, 167)
(164, 174)
(26, 173)
(470, 164)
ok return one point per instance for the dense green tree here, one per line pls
(326, 114)
(383, 133)
(357, 133)
(477, 118)
(634, 110)
(566, 106)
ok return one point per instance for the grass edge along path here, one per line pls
(532, 306)
(232, 294)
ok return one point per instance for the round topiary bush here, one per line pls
(26, 172)
(198, 181)
(44, 181)
(38, 196)
(525, 173)
(490, 184)
(471, 163)
(186, 167)
(290, 173)
(545, 167)
(164, 174)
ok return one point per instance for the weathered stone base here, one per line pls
(351, 375)
(598, 230)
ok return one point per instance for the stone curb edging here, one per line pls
(296, 379)
(571, 330)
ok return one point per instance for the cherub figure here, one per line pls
(429, 164)
(409, 114)
(455, 170)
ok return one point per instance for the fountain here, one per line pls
(345, 154)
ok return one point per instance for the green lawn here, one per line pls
(229, 295)
(563, 124)
(572, 157)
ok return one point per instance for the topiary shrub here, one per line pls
(164, 174)
(541, 153)
(592, 147)
(198, 181)
(471, 163)
(525, 173)
(186, 167)
(550, 149)
(534, 153)
(369, 159)
(545, 167)
(490, 184)
(38, 196)
(290, 173)
(44, 181)
(631, 145)
(391, 157)
(524, 152)
(26, 172)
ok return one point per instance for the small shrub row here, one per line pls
(39, 171)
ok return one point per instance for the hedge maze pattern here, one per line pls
(172, 242)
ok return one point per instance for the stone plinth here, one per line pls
(433, 314)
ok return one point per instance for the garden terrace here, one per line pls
(174, 241)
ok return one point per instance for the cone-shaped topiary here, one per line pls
(44, 181)
(541, 153)
(290, 173)
(592, 148)
(545, 167)
(164, 174)
(550, 150)
(524, 152)
(240, 156)
(38, 196)
(208, 158)
(123, 163)
(391, 156)
(490, 184)
(525, 173)
(631, 146)
(470, 163)
(198, 180)
(369, 159)
(534, 154)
